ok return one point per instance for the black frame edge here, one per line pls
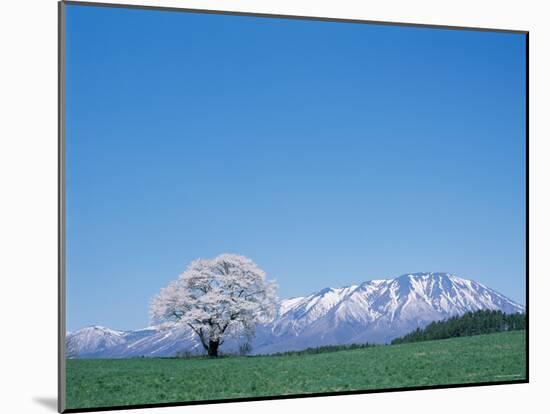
(293, 396)
(527, 326)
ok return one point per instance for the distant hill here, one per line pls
(469, 324)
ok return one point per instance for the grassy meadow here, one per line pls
(117, 382)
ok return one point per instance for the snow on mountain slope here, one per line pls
(93, 340)
(378, 310)
(374, 311)
(99, 342)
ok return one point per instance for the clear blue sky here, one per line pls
(329, 153)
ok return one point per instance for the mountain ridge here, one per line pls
(377, 310)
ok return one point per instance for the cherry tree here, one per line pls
(217, 298)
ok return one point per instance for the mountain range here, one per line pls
(375, 311)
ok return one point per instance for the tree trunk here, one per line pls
(213, 348)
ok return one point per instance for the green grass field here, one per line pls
(483, 358)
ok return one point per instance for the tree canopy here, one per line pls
(226, 296)
(469, 324)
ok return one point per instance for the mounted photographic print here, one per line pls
(263, 206)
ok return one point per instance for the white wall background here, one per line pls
(28, 171)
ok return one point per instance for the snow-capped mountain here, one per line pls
(377, 310)
(374, 311)
(93, 340)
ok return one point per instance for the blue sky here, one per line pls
(329, 153)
